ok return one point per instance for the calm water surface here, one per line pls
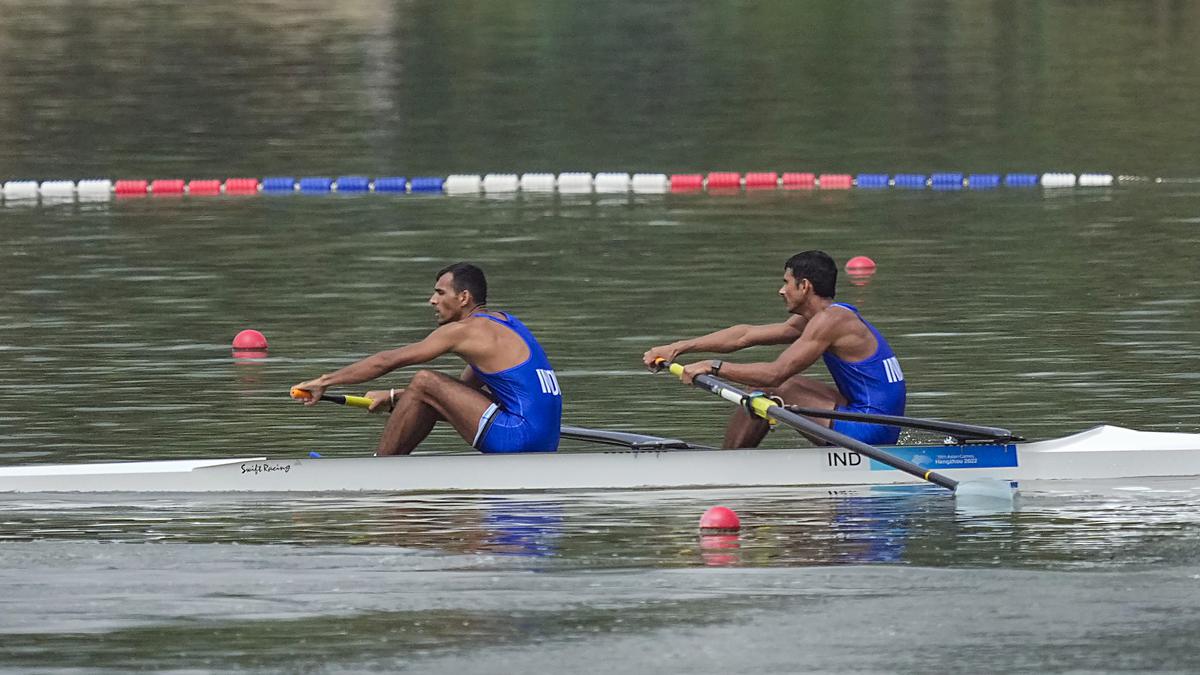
(1042, 311)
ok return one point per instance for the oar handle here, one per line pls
(342, 399)
(720, 388)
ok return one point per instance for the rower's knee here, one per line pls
(425, 380)
(808, 393)
(744, 416)
(429, 382)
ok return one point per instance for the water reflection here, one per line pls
(720, 550)
(860, 278)
(524, 529)
(917, 525)
(456, 526)
(878, 533)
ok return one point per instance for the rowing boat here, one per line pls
(642, 462)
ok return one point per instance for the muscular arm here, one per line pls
(731, 339)
(817, 336)
(442, 340)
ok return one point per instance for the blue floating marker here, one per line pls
(316, 184)
(871, 180)
(279, 184)
(314, 454)
(426, 184)
(983, 181)
(391, 184)
(353, 184)
(946, 181)
(912, 181)
(1021, 180)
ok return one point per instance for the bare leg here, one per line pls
(430, 397)
(747, 431)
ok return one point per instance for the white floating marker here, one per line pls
(650, 183)
(574, 183)
(1095, 180)
(537, 182)
(58, 189)
(500, 182)
(21, 189)
(462, 184)
(96, 189)
(1057, 180)
(612, 182)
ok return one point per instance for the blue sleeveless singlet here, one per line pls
(528, 409)
(873, 385)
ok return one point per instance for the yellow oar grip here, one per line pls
(352, 401)
(676, 369)
(358, 401)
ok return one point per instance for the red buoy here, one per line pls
(250, 340)
(125, 187)
(687, 182)
(762, 180)
(204, 187)
(167, 186)
(860, 264)
(835, 181)
(720, 519)
(241, 186)
(860, 269)
(799, 181)
(724, 180)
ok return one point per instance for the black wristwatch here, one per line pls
(716, 367)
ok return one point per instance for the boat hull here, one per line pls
(1100, 453)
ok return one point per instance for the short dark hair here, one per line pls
(466, 277)
(818, 268)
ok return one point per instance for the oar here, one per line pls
(353, 401)
(956, 429)
(766, 407)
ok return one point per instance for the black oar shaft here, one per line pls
(837, 438)
(801, 423)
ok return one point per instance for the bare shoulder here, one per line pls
(475, 331)
(480, 324)
(453, 333)
(832, 320)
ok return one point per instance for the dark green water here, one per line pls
(1043, 311)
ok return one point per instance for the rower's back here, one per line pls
(527, 388)
(874, 382)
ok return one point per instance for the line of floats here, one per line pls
(578, 183)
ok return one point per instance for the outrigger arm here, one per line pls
(628, 440)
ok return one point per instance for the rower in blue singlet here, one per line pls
(506, 400)
(528, 407)
(864, 368)
(872, 385)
